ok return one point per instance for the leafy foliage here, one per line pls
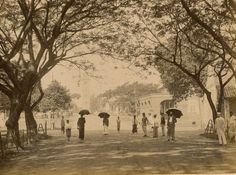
(56, 97)
(178, 84)
(125, 95)
(4, 102)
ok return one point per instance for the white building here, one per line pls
(160, 102)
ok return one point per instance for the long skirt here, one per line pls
(81, 133)
(144, 130)
(171, 131)
(105, 129)
(118, 127)
(68, 133)
(135, 128)
(155, 131)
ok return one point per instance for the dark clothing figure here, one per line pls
(106, 121)
(80, 125)
(68, 129)
(171, 127)
(135, 125)
(118, 124)
(163, 123)
(105, 125)
(62, 125)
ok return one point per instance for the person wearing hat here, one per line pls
(220, 129)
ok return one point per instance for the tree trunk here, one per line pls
(12, 124)
(31, 123)
(220, 99)
(212, 105)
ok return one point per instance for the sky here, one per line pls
(111, 73)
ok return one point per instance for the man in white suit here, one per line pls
(220, 128)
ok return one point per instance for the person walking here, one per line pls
(155, 126)
(81, 126)
(163, 123)
(171, 127)
(135, 125)
(105, 125)
(68, 130)
(62, 125)
(232, 127)
(220, 129)
(145, 122)
(118, 123)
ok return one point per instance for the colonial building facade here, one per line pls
(159, 103)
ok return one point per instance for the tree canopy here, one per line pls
(37, 35)
(184, 40)
(56, 97)
(125, 95)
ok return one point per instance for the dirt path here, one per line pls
(123, 154)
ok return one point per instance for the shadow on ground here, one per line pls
(124, 153)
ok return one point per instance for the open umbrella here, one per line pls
(84, 112)
(104, 115)
(176, 112)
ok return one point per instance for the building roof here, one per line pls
(230, 92)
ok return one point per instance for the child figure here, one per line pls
(68, 130)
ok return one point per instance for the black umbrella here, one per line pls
(176, 112)
(104, 115)
(84, 112)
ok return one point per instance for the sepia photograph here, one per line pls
(117, 87)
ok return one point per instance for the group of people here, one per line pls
(66, 127)
(156, 122)
(171, 120)
(225, 127)
(222, 126)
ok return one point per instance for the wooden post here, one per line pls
(2, 149)
(23, 138)
(45, 128)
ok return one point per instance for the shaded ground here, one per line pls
(123, 154)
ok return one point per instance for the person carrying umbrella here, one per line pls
(172, 115)
(105, 117)
(81, 123)
(105, 125)
(171, 126)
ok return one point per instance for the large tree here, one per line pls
(161, 34)
(207, 14)
(36, 35)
